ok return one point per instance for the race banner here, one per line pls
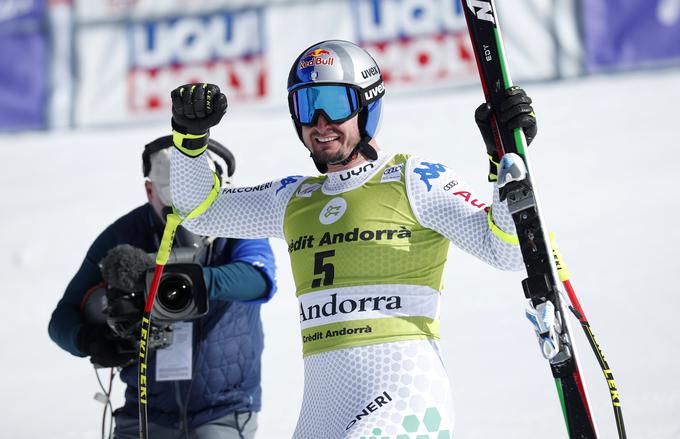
(424, 43)
(24, 70)
(131, 53)
(128, 69)
(88, 11)
(13, 11)
(421, 43)
(623, 34)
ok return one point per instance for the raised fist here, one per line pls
(515, 112)
(197, 107)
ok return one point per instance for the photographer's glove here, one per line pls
(515, 112)
(195, 108)
(96, 341)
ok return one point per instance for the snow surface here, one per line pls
(607, 171)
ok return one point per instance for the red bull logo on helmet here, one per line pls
(317, 52)
(317, 57)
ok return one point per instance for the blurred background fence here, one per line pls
(85, 63)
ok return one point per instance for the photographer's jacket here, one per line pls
(228, 341)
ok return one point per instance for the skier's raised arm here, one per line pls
(443, 202)
(237, 212)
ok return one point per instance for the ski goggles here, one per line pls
(336, 102)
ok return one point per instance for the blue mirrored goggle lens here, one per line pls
(338, 102)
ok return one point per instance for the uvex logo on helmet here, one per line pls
(370, 72)
(374, 93)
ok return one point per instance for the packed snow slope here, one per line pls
(606, 167)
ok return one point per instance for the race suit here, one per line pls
(367, 248)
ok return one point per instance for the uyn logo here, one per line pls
(484, 12)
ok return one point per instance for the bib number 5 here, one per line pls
(325, 269)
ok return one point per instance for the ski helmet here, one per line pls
(338, 79)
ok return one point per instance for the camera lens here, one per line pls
(174, 292)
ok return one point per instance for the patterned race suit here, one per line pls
(367, 248)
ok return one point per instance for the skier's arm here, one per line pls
(237, 212)
(251, 212)
(487, 232)
(444, 203)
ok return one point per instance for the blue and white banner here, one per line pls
(129, 54)
(12, 11)
(97, 11)
(127, 70)
(621, 34)
(24, 70)
(421, 43)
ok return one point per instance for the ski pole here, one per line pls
(576, 308)
(172, 221)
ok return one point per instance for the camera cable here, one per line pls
(184, 407)
(105, 398)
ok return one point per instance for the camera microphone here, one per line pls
(124, 268)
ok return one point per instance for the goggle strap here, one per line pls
(372, 93)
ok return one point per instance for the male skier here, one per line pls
(368, 240)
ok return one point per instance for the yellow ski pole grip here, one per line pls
(562, 269)
(173, 220)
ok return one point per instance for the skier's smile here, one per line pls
(330, 142)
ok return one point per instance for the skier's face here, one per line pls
(330, 142)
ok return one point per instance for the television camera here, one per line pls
(127, 272)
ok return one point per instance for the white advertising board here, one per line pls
(127, 68)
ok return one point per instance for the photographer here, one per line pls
(220, 396)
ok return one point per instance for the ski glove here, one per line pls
(195, 108)
(96, 341)
(515, 112)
